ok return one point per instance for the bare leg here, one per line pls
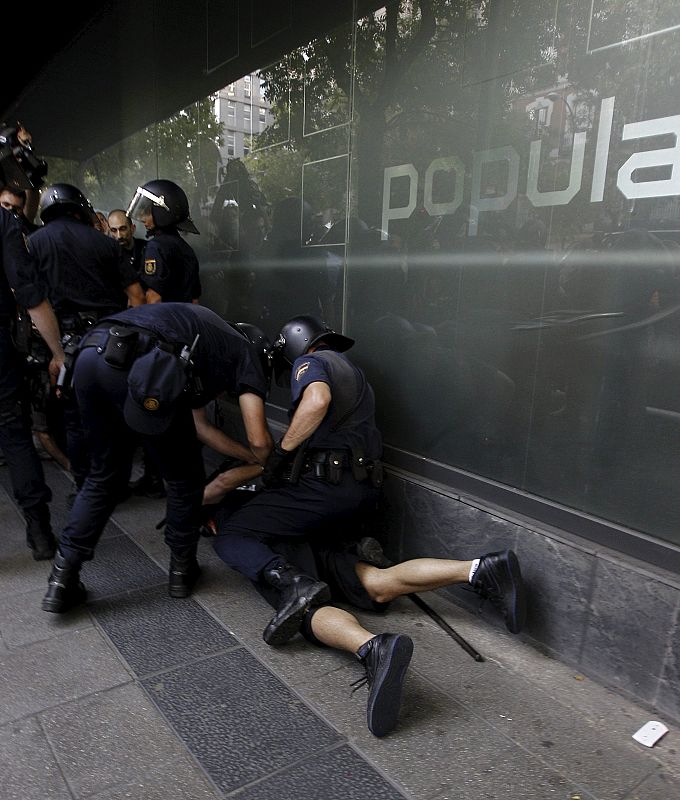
(339, 629)
(417, 575)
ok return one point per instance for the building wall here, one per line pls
(610, 617)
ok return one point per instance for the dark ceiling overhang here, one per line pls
(124, 65)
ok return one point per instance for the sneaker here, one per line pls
(370, 550)
(385, 658)
(498, 578)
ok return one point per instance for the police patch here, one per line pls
(150, 266)
(151, 404)
(301, 370)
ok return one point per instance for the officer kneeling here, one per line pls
(146, 370)
(297, 540)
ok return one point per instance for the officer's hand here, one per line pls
(275, 465)
(54, 368)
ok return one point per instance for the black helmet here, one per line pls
(262, 344)
(167, 203)
(63, 198)
(301, 333)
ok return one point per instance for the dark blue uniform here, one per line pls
(223, 362)
(86, 277)
(84, 269)
(17, 271)
(171, 267)
(247, 539)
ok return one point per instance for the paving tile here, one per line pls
(340, 773)
(24, 622)
(237, 718)
(439, 747)
(44, 674)
(109, 738)
(658, 786)
(180, 778)
(153, 631)
(119, 565)
(28, 770)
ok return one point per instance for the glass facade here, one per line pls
(486, 195)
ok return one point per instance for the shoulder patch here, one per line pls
(150, 266)
(300, 371)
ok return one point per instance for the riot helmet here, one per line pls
(262, 344)
(301, 333)
(60, 199)
(166, 202)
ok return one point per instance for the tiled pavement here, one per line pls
(140, 696)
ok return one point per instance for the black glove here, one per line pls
(275, 465)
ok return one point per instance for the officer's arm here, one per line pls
(255, 422)
(216, 439)
(44, 320)
(135, 294)
(152, 296)
(312, 408)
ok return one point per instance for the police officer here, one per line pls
(171, 272)
(291, 540)
(20, 284)
(143, 371)
(87, 279)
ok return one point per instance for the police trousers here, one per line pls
(101, 391)
(16, 439)
(247, 539)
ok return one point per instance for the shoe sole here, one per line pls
(55, 606)
(284, 630)
(384, 701)
(517, 608)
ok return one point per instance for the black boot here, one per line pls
(149, 485)
(385, 658)
(184, 572)
(64, 589)
(299, 592)
(39, 536)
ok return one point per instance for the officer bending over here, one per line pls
(142, 372)
(291, 539)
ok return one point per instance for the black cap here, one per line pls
(155, 383)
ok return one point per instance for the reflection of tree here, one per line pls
(404, 67)
(182, 148)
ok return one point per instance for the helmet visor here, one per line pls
(143, 202)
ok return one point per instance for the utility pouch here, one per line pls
(377, 475)
(121, 347)
(71, 343)
(359, 470)
(334, 467)
(293, 472)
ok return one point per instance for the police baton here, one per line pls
(370, 550)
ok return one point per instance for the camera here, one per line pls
(19, 167)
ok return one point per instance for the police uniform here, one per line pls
(86, 275)
(18, 272)
(334, 482)
(171, 267)
(84, 269)
(135, 257)
(223, 361)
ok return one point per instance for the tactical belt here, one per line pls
(122, 343)
(329, 465)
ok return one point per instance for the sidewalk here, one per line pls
(140, 696)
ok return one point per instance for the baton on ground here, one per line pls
(370, 550)
(444, 625)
